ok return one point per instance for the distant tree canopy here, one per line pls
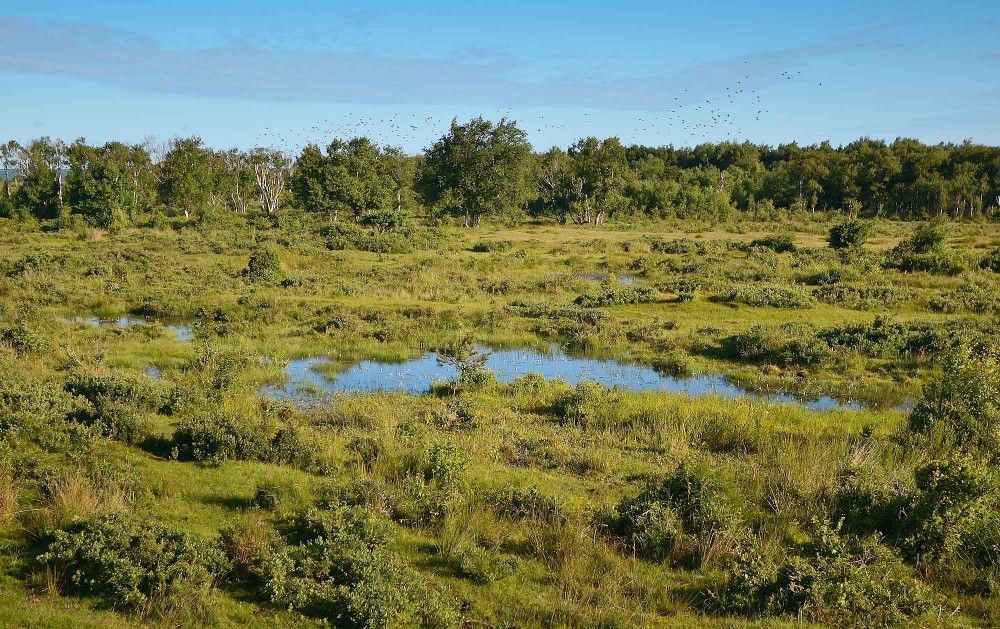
(481, 170)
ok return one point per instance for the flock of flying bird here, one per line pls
(690, 119)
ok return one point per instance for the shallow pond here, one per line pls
(184, 331)
(306, 383)
(623, 280)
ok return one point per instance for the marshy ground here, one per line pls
(134, 376)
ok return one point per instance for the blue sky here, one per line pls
(243, 73)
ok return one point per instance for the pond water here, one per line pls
(624, 280)
(305, 383)
(184, 331)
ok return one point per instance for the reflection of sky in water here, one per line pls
(416, 376)
(183, 331)
(624, 280)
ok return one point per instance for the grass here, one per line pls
(455, 517)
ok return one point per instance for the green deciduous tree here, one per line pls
(478, 169)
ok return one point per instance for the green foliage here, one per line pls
(928, 237)
(384, 220)
(478, 169)
(784, 345)
(970, 297)
(962, 405)
(617, 296)
(22, 339)
(991, 261)
(861, 296)
(852, 234)
(953, 513)
(778, 243)
(838, 581)
(264, 267)
(139, 566)
(767, 295)
(484, 566)
(338, 566)
(670, 516)
(225, 436)
(493, 246)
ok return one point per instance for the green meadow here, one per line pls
(145, 480)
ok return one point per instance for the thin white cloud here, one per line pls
(127, 60)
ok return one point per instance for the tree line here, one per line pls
(482, 169)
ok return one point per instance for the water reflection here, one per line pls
(305, 383)
(184, 331)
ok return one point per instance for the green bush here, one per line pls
(837, 581)
(882, 338)
(484, 566)
(679, 245)
(138, 566)
(767, 295)
(493, 246)
(217, 438)
(784, 345)
(778, 243)
(953, 513)
(517, 504)
(861, 296)
(928, 236)
(970, 297)
(686, 289)
(337, 566)
(962, 404)
(617, 296)
(384, 221)
(264, 267)
(991, 261)
(852, 234)
(22, 339)
(670, 516)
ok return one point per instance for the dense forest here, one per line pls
(484, 170)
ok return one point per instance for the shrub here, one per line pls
(263, 267)
(338, 567)
(384, 221)
(139, 566)
(249, 544)
(484, 566)
(838, 581)
(970, 297)
(515, 503)
(617, 296)
(587, 405)
(925, 251)
(679, 245)
(954, 501)
(852, 234)
(22, 339)
(686, 289)
(772, 295)
(861, 296)
(868, 501)
(928, 236)
(118, 404)
(493, 246)
(778, 243)
(882, 338)
(546, 310)
(785, 345)
(674, 516)
(219, 438)
(962, 404)
(991, 262)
